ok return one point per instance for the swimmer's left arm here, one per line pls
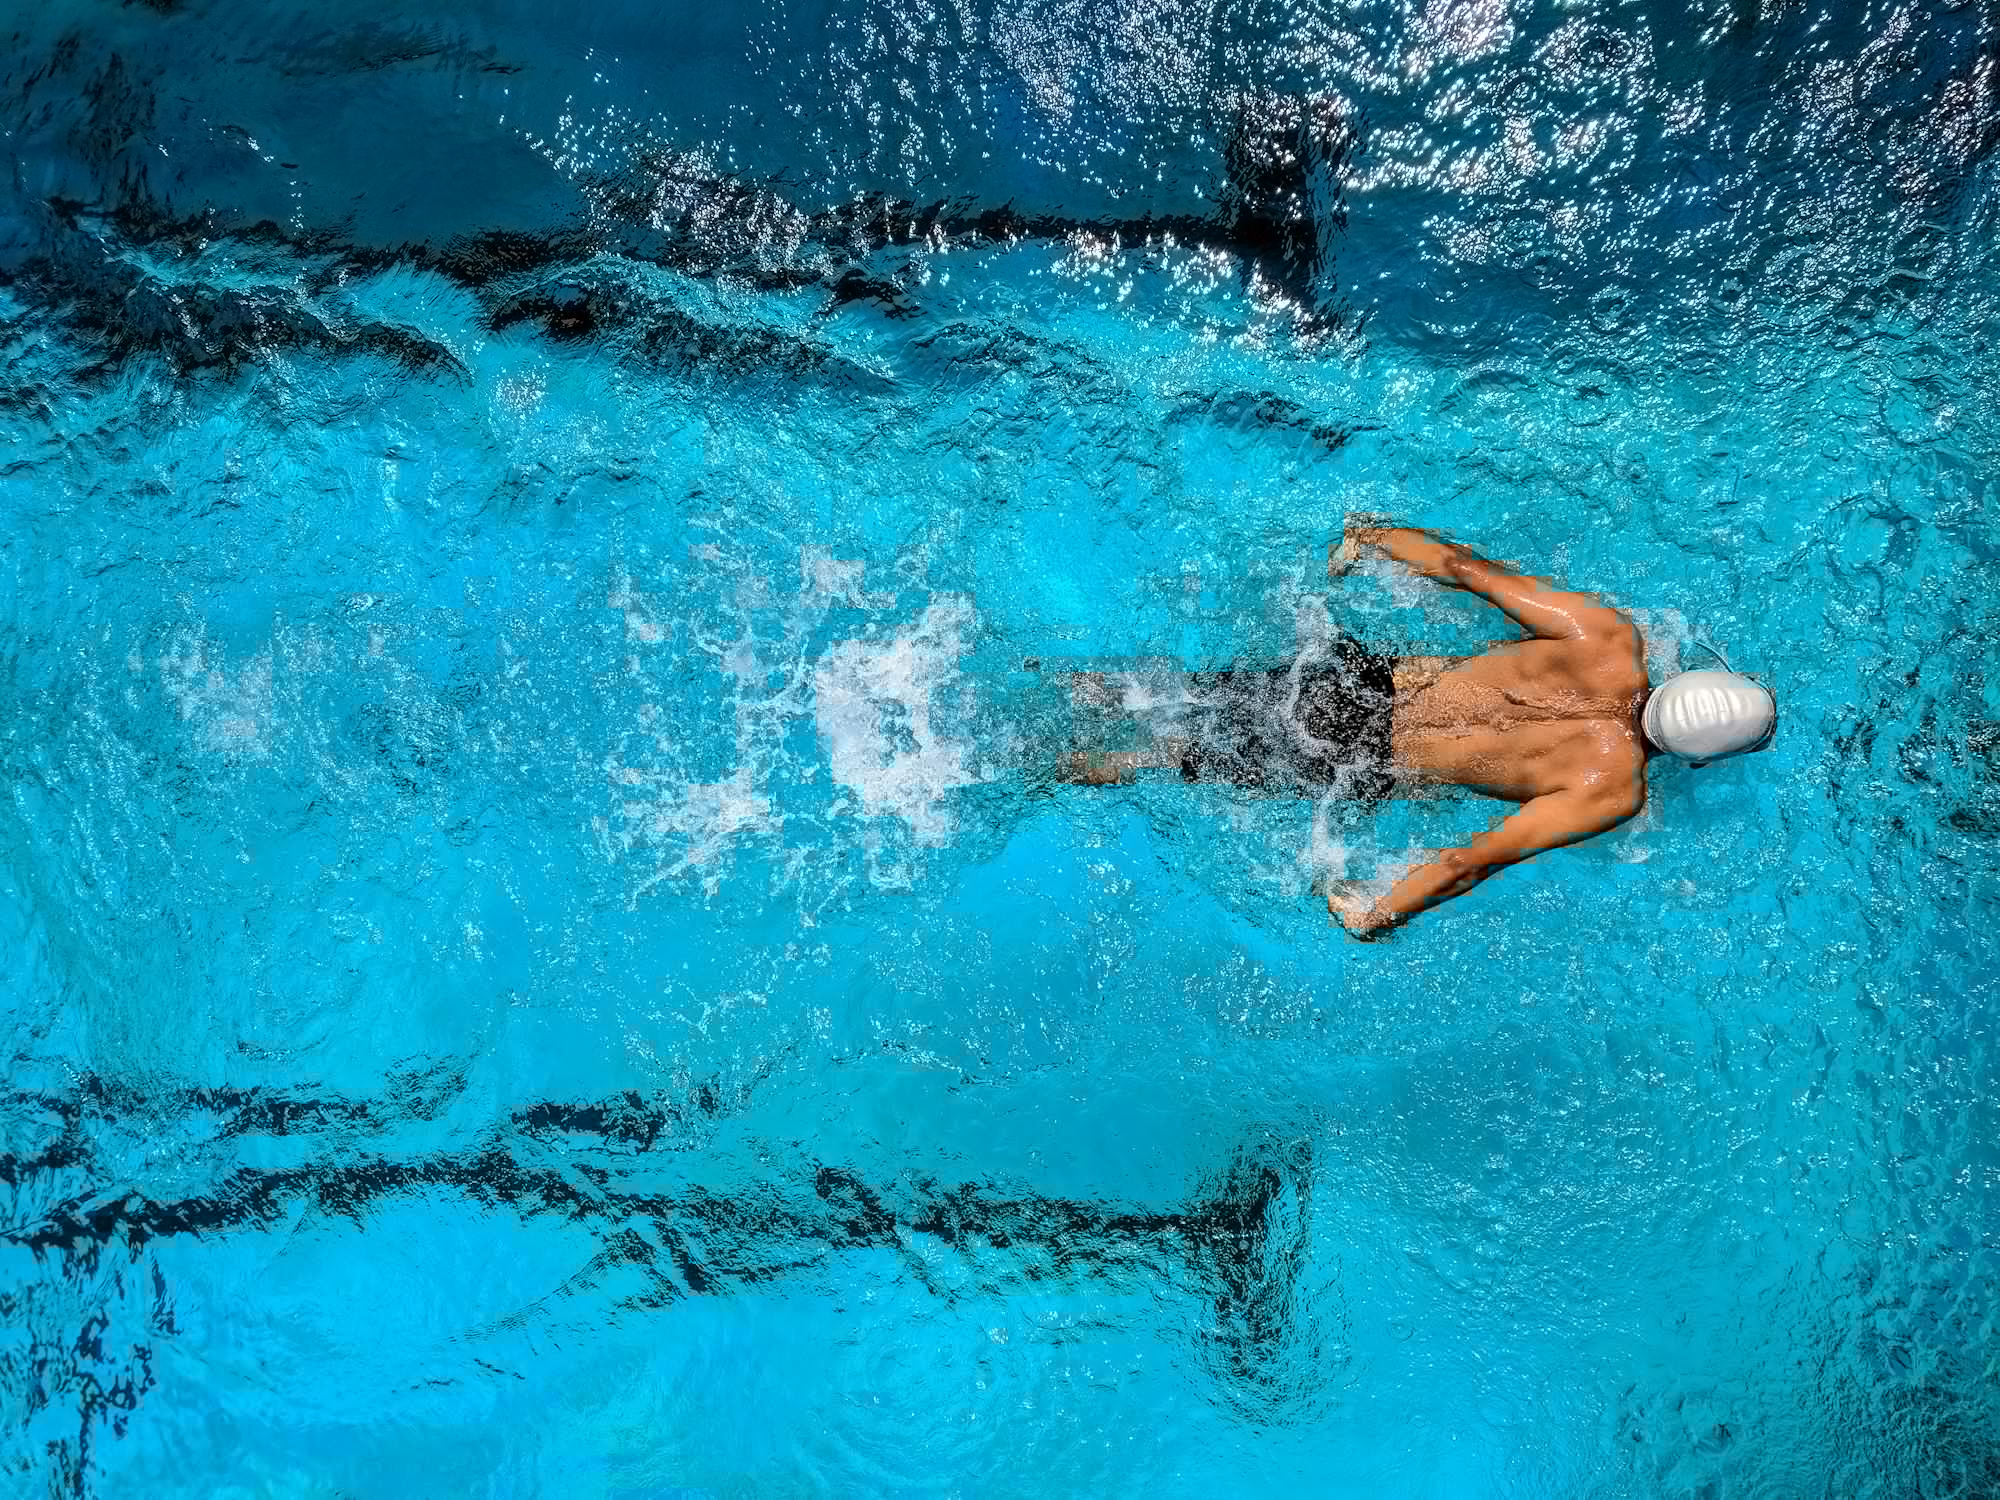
(1549, 822)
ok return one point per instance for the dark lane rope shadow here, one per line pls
(1238, 1247)
(1286, 161)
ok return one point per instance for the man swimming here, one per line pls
(1562, 723)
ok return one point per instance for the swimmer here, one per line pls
(1562, 723)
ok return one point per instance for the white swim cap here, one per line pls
(1704, 715)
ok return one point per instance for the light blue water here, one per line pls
(541, 955)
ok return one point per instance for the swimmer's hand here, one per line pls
(1358, 530)
(1347, 903)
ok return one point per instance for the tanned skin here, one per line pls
(1550, 722)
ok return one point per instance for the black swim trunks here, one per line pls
(1251, 730)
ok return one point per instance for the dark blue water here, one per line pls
(543, 953)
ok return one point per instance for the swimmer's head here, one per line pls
(1703, 716)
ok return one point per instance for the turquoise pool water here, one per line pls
(543, 957)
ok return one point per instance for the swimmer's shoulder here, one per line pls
(1610, 656)
(1615, 775)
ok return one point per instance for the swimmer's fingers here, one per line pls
(1357, 530)
(1348, 903)
(1345, 898)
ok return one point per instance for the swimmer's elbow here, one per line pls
(1465, 868)
(1463, 568)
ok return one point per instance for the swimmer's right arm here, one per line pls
(1533, 603)
(1420, 551)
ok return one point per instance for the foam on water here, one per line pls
(873, 702)
(891, 713)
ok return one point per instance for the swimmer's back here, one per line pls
(1532, 717)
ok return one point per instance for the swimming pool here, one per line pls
(541, 555)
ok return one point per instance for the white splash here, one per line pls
(874, 702)
(704, 820)
(885, 706)
(1325, 855)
